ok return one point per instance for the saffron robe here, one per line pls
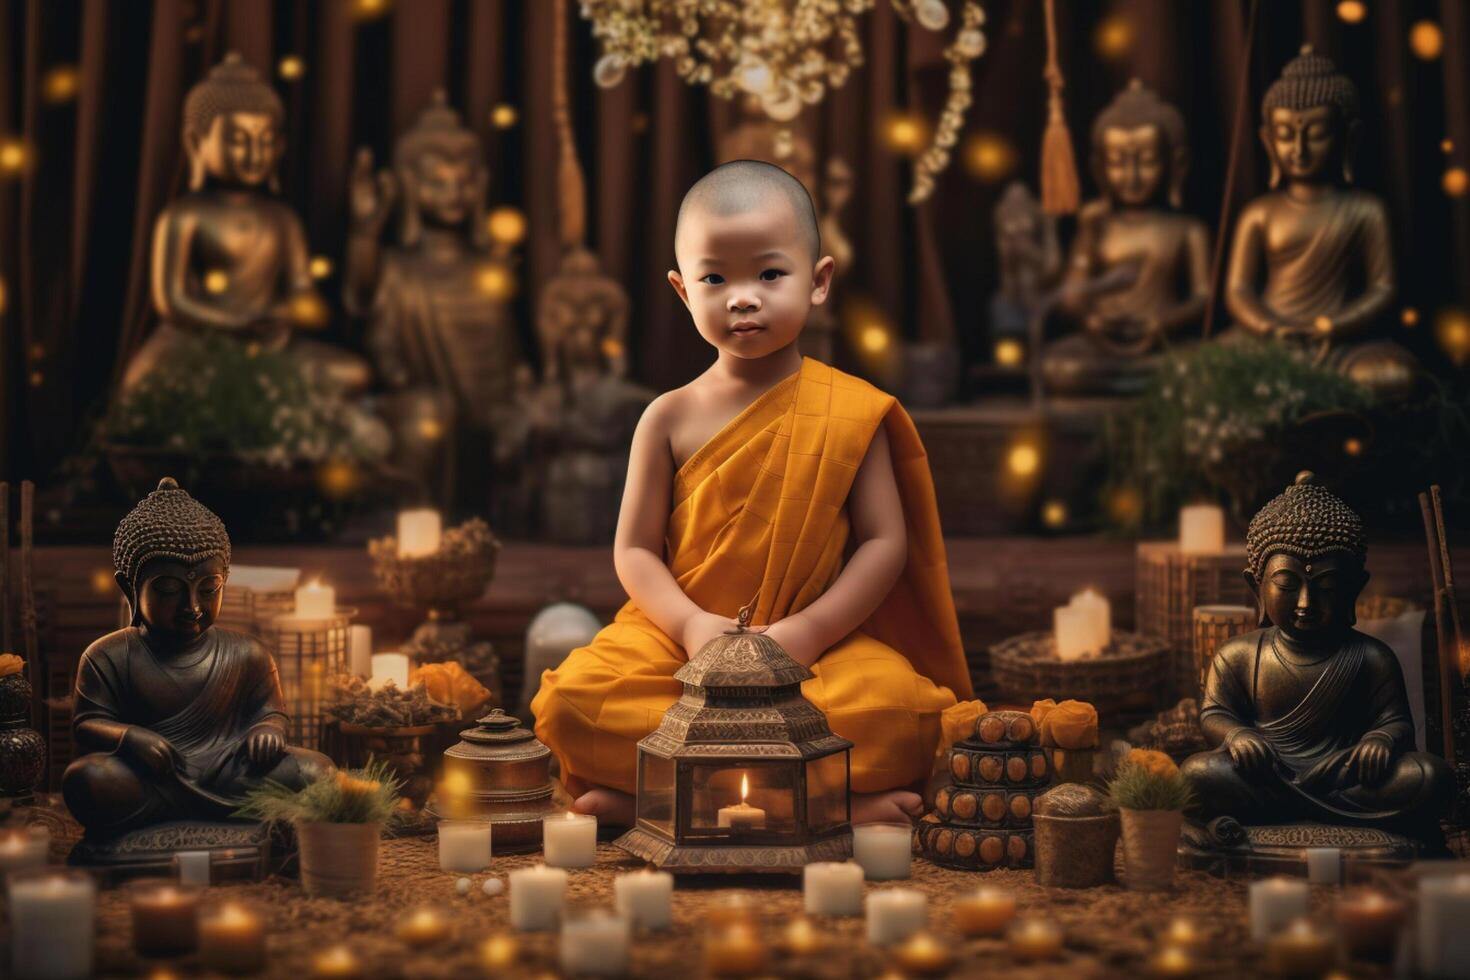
(760, 511)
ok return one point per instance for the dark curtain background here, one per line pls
(75, 228)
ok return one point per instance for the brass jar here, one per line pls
(498, 772)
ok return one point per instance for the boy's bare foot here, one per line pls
(895, 806)
(610, 807)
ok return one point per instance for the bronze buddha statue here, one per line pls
(1309, 717)
(1028, 259)
(1138, 271)
(179, 718)
(229, 257)
(1311, 263)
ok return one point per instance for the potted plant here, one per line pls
(338, 819)
(1151, 794)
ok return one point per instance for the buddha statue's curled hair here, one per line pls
(168, 523)
(231, 86)
(1307, 521)
(1310, 80)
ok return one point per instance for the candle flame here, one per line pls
(744, 787)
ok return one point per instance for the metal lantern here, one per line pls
(742, 774)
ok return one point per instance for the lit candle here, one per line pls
(984, 912)
(316, 601)
(390, 667)
(1184, 933)
(1201, 530)
(232, 940)
(422, 928)
(734, 951)
(645, 898)
(464, 845)
(883, 849)
(24, 849)
(360, 650)
(1275, 902)
(52, 914)
(742, 816)
(570, 841)
(418, 532)
(337, 963)
(1172, 961)
(1034, 939)
(1444, 908)
(801, 938)
(1324, 865)
(729, 910)
(1300, 950)
(1369, 923)
(832, 888)
(165, 918)
(894, 914)
(1084, 625)
(595, 944)
(923, 955)
(499, 952)
(536, 895)
(193, 867)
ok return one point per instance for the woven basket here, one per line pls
(1130, 675)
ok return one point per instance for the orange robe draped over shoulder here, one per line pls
(760, 511)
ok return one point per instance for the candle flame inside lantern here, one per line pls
(744, 787)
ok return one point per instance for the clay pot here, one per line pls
(338, 859)
(1075, 852)
(1150, 848)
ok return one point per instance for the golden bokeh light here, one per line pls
(612, 348)
(1456, 181)
(1323, 324)
(1353, 446)
(431, 429)
(1409, 317)
(368, 9)
(1426, 40)
(1452, 332)
(1009, 352)
(37, 379)
(1024, 459)
(15, 156)
(500, 952)
(291, 67)
(989, 157)
(1352, 11)
(1125, 505)
(506, 225)
(496, 281)
(320, 267)
(216, 281)
(504, 116)
(875, 338)
(60, 84)
(1447, 146)
(308, 310)
(1113, 37)
(102, 581)
(1054, 513)
(338, 478)
(906, 133)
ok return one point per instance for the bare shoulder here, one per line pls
(658, 417)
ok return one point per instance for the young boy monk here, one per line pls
(779, 479)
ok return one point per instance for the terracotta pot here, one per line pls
(338, 859)
(1150, 848)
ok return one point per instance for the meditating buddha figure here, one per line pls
(1309, 717)
(1138, 272)
(178, 719)
(1311, 262)
(229, 257)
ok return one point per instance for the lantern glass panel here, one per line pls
(826, 792)
(656, 791)
(769, 803)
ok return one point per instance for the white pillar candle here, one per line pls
(316, 601)
(595, 944)
(52, 915)
(418, 532)
(536, 895)
(1444, 942)
(1070, 632)
(570, 840)
(390, 667)
(360, 650)
(742, 816)
(24, 848)
(1201, 530)
(1274, 903)
(645, 898)
(193, 867)
(464, 845)
(883, 849)
(832, 888)
(1324, 865)
(895, 914)
(1098, 615)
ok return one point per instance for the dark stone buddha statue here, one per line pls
(179, 719)
(1309, 718)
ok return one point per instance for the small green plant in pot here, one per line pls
(338, 820)
(1151, 794)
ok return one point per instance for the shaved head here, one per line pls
(745, 185)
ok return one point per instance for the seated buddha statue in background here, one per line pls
(1308, 716)
(229, 257)
(1311, 263)
(1138, 272)
(177, 719)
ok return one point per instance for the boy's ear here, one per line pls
(677, 281)
(822, 279)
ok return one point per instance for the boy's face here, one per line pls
(749, 279)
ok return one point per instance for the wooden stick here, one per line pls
(1442, 640)
(1447, 574)
(28, 587)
